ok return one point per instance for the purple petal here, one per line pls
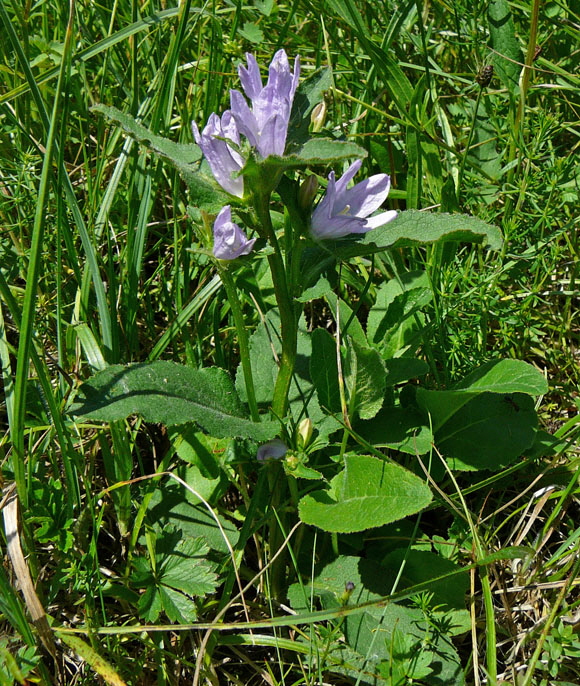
(250, 77)
(265, 125)
(229, 241)
(245, 119)
(381, 219)
(348, 175)
(338, 226)
(223, 160)
(368, 195)
(273, 137)
(345, 210)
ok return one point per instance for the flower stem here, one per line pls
(234, 301)
(288, 318)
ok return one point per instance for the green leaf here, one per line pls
(302, 400)
(506, 376)
(420, 566)
(489, 432)
(395, 320)
(182, 572)
(324, 370)
(252, 33)
(174, 507)
(398, 428)
(504, 43)
(415, 228)
(170, 394)
(364, 375)
(497, 376)
(400, 369)
(369, 634)
(203, 190)
(182, 156)
(321, 289)
(368, 493)
(315, 151)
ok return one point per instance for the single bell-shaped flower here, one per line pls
(229, 241)
(265, 124)
(345, 210)
(223, 159)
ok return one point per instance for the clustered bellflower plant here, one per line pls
(246, 148)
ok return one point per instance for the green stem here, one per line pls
(243, 342)
(524, 87)
(468, 146)
(288, 319)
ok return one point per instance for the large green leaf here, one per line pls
(371, 635)
(488, 419)
(414, 228)
(170, 394)
(489, 432)
(368, 493)
(398, 428)
(497, 376)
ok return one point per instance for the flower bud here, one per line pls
(318, 117)
(304, 433)
(307, 192)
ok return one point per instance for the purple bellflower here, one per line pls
(265, 125)
(223, 159)
(229, 241)
(345, 210)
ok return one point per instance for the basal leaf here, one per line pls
(368, 493)
(170, 394)
(398, 428)
(506, 376)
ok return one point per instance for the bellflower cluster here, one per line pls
(229, 241)
(345, 210)
(265, 124)
(261, 115)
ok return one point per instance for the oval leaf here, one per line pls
(367, 493)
